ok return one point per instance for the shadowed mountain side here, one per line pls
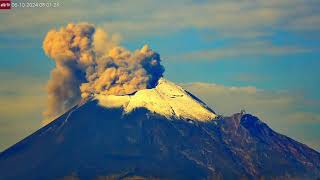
(92, 142)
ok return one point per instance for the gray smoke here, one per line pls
(90, 61)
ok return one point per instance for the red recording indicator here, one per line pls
(5, 4)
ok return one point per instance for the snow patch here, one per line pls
(113, 101)
(167, 99)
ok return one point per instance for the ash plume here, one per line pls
(89, 61)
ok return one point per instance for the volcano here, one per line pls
(160, 133)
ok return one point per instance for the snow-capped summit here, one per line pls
(167, 99)
(93, 142)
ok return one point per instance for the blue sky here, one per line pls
(228, 47)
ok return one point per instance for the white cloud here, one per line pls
(244, 49)
(234, 18)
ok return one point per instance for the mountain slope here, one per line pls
(92, 141)
(166, 99)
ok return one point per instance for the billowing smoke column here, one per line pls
(88, 61)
